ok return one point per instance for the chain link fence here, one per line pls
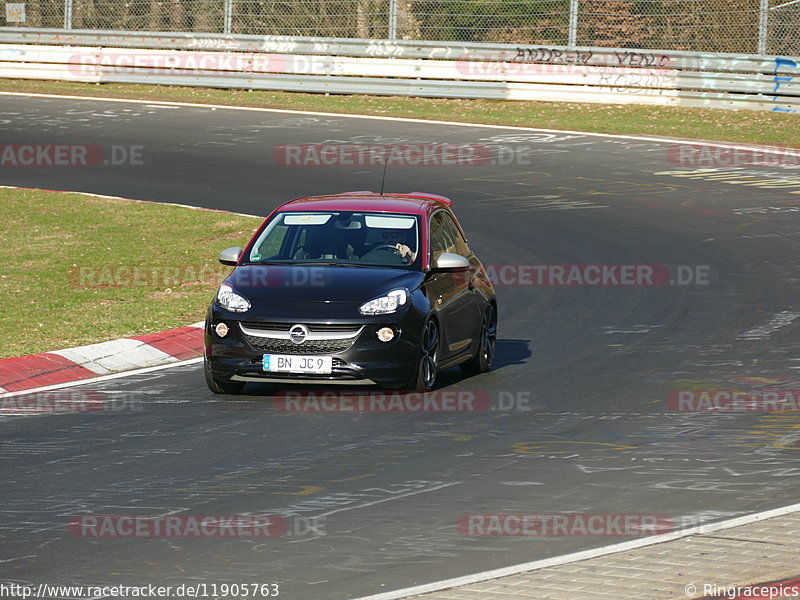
(742, 26)
(784, 28)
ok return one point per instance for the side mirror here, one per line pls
(448, 261)
(230, 256)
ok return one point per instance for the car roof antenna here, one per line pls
(383, 178)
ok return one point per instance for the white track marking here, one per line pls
(166, 103)
(382, 500)
(778, 321)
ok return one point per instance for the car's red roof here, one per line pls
(416, 203)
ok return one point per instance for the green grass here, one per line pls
(79, 269)
(697, 123)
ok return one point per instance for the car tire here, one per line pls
(219, 386)
(484, 358)
(428, 365)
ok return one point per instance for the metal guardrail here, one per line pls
(432, 69)
(742, 63)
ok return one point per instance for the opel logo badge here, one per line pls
(298, 334)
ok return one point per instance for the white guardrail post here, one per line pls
(392, 20)
(572, 35)
(228, 17)
(763, 26)
(67, 14)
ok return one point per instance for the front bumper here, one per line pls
(359, 357)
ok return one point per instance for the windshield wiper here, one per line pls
(326, 263)
(359, 265)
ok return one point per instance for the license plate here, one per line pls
(295, 363)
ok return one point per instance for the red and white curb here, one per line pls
(95, 360)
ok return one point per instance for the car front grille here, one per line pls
(322, 338)
(266, 338)
(275, 346)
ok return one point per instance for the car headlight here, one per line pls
(230, 300)
(389, 303)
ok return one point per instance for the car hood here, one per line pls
(318, 283)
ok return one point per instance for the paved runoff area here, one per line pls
(757, 560)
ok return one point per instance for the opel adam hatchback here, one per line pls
(357, 289)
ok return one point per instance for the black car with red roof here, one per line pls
(357, 288)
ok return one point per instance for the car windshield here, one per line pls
(339, 238)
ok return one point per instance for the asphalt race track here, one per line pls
(581, 421)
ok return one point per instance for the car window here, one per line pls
(445, 236)
(272, 246)
(458, 239)
(439, 238)
(352, 238)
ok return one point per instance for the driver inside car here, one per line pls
(397, 239)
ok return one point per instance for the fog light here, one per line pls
(221, 329)
(386, 334)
